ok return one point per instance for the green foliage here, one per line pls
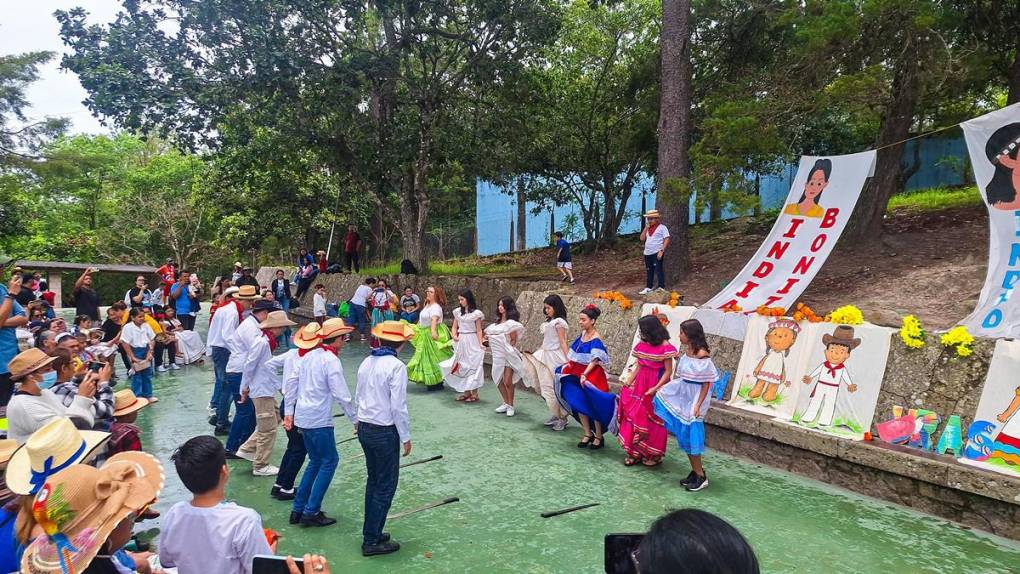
(19, 138)
(935, 199)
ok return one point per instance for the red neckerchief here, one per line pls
(271, 339)
(832, 368)
(303, 352)
(240, 309)
(652, 228)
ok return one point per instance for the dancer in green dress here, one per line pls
(432, 342)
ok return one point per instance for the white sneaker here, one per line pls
(249, 456)
(644, 291)
(510, 411)
(660, 289)
(174, 367)
(560, 424)
(268, 470)
(552, 420)
(161, 369)
(502, 408)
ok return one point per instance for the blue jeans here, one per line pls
(293, 457)
(382, 457)
(244, 414)
(284, 339)
(411, 318)
(358, 318)
(141, 382)
(654, 270)
(220, 356)
(322, 462)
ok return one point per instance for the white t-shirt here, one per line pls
(655, 241)
(224, 538)
(136, 336)
(319, 305)
(361, 295)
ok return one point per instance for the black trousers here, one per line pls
(351, 261)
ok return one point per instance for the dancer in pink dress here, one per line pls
(642, 433)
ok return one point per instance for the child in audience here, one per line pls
(124, 434)
(319, 303)
(410, 306)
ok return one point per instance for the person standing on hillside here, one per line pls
(564, 262)
(167, 276)
(86, 300)
(352, 249)
(656, 238)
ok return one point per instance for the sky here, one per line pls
(28, 26)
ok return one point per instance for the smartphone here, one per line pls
(95, 366)
(274, 565)
(619, 550)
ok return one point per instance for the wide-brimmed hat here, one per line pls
(399, 331)
(263, 305)
(126, 402)
(80, 507)
(842, 335)
(53, 448)
(276, 319)
(231, 291)
(652, 213)
(246, 292)
(238, 264)
(307, 337)
(334, 328)
(28, 361)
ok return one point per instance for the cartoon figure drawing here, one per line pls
(817, 181)
(831, 376)
(1006, 446)
(979, 440)
(1001, 149)
(771, 369)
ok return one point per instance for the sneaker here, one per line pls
(161, 369)
(231, 455)
(644, 291)
(697, 483)
(282, 494)
(510, 411)
(268, 470)
(317, 519)
(560, 424)
(379, 549)
(174, 367)
(552, 421)
(503, 408)
(688, 480)
(249, 456)
(660, 290)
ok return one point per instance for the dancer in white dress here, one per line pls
(507, 362)
(549, 357)
(463, 372)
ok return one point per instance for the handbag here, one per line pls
(142, 365)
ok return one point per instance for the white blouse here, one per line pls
(696, 370)
(431, 310)
(136, 336)
(466, 321)
(550, 333)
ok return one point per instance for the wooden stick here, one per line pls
(552, 513)
(422, 461)
(348, 439)
(425, 507)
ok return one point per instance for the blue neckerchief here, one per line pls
(39, 477)
(384, 351)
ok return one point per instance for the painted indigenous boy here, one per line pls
(831, 375)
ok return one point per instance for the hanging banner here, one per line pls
(820, 203)
(993, 141)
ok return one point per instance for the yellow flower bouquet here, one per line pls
(960, 340)
(912, 333)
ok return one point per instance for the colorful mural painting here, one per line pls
(774, 357)
(993, 439)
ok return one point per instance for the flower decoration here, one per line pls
(846, 315)
(674, 298)
(771, 311)
(803, 312)
(615, 296)
(959, 340)
(912, 333)
(660, 316)
(731, 308)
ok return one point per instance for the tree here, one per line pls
(19, 137)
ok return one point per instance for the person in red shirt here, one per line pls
(323, 263)
(352, 247)
(168, 275)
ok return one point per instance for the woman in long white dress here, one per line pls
(549, 357)
(190, 347)
(463, 372)
(507, 362)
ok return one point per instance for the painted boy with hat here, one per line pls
(241, 343)
(832, 375)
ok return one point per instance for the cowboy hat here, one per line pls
(399, 331)
(276, 319)
(263, 305)
(51, 449)
(231, 291)
(842, 335)
(247, 292)
(125, 402)
(308, 336)
(333, 328)
(238, 264)
(652, 213)
(29, 361)
(80, 508)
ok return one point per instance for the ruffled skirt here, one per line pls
(642, 433)
(673, 405)
(586, 399)
(463, 371)
(423, 368)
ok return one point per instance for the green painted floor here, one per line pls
(507, 471)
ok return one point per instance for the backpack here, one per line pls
(408, 268)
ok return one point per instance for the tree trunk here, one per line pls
(414, 198)
(1013, 76)
(866, 226)
(522, 226)
(674, 133)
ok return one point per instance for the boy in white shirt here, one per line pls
(319, 303)
(656, 238)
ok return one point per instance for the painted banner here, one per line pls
(723, 324)
(993, 440)
(993, 141)
(772, 366)
(820, 203)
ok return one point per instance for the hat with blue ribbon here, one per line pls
(53, 448)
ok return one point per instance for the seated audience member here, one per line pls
(207, 534)
(81, 323)
(124, 434)
(102, 405)
(33, 406)
(694, 541)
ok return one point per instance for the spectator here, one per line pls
(319, 303)
(46, 295)
(323, 262)
(352, 249)
(280, 288)
(189, 345)
(692, 540)
(656, 238)
(86, 300)
(116, 316)
(358, 306)
(305, 276)
(12, 316)
(37, 318)
(81, 323)
(58, 325)
(185, 295)
(26, 295)
(305, 258)
(165, 350)
(247, 278)
(140, 294)
(237, 273)
(167, 276)
(33, 405)
(46, 341)
(219, 289)
(410, 305)
(564, 262)
(67, 390)
(207, 534)
(139, 341)
(125, 436)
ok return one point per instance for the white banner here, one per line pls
(993, 141)
(816, 211)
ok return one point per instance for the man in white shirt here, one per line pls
(259, 384)
(240, 344)
(358, 306)
(383, 425)
(308, 396)
(656, 238)
(224, 323)
(294, 455)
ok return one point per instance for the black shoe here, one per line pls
(221, 431)
(697, 483)
(585, 442)
(688, 480)
(295, 517)
(212, 420)
(379, 549)
(232, 456)
(596, 443)
(385, 537)
(434, 388)
(281, 494)
(317, 519)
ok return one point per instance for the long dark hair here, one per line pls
(1000, 188)
(470, 298)
(559, 309)
(692, 540)
(652, 330)
(510, 307)
(695, 334)
(825, 166)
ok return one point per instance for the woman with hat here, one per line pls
(309, 394)
(33, 406)
(656, 238)
(240, 345)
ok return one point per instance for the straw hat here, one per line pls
(308, 336)
(27, 362)
(276, 319)
(238, 264)
(399, 331)
(54, 447)
(231, 291)
(652, 213)
(334, 328)
(247, 292)
(79, 508)
(126, 402)
(7, 448)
